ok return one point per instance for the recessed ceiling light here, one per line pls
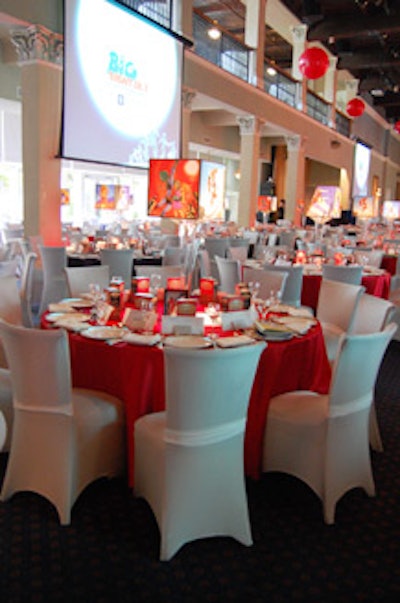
(213, 32)
(271, 71)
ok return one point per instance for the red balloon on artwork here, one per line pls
(397, 126)
(355, 107)
(313, 63)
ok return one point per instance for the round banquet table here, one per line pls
(135, 374)
(375, 284)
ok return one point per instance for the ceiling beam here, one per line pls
(367, 61)
(351, 27)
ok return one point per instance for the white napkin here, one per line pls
(142, 339)
(299, 325)
(137, 320)
(234, 342)
(242, 319)
(182, 325)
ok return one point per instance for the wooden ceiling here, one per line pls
(363, 34)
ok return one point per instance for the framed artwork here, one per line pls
(174, 188)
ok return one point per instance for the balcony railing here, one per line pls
(159, 11)
(317, 108)
(281, 87)
(226, 52)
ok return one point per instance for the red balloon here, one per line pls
(397, 126)
(313, 63)
(355, 107)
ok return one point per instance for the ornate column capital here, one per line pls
(248, 124)
(37, 43)
(299, 33)
(188, 97)
(293, 143)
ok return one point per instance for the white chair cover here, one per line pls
(345, 274)
(120, 263)
(294, 284)
(336, 309)
(54, 260)
(189, 459)
(62, 438)
(269, 280)
(228, 274)
(323, 440)
(79, 278)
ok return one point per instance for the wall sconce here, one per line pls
(213, 32)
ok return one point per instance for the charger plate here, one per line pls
(105, 332)
(188, 341)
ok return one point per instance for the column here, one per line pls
(249, 174)
(330, 85)
(40, 59)
(351, 89)
(295, 177)
(187, 100)
(255, 38)
(182, 18)
(299, 35)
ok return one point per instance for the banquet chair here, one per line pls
(8, 267)
(54, 260)
(288, 238)
(351, 274)
(216, 246)
(293, 285)
(3, 431)
(270, 281)
(10, 308)
(323, 440)
(372, 315)
(189, 459)
(237, 253)
(63, 438)
(370, 257)
(79, 278)
(170, 240)
(6, 410)
(228, 274)
(172, 256)
(120, 263)
(336, 309)
(26, 289)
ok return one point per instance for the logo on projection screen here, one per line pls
(133, 90)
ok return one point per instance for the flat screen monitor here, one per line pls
(122, 86)
(362, 160)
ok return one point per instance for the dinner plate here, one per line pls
(188, 341)
(234, 342)
(74, 317)
(100, 332)
(270, 336)
(54, 316)
(142, 339)
(78, 302)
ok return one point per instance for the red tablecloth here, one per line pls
(135, 374)
(378, 285)
(389, 263)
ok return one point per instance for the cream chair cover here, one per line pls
(26, 290)
(270, 280)
(54, 260)
(10, 307)
(189, 459)
(79, 278)
(323, 440)
(6, 410)
(336, 308)
(120, 262)
(228, 274)
(373, 314)
(344, 274)
(63, 438)
(3, 431)
(294, 284)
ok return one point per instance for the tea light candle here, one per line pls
(175, 282)
(207, 287)
(141, 284)
(338, 258)
(301, 257)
